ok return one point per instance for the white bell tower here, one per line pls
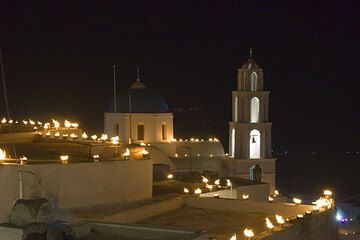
(250, 130)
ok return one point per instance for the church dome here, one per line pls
(143, 100)
(250, 64)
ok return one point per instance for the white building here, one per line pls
(250, 130)
(141, 110)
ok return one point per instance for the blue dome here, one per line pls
(142, 101)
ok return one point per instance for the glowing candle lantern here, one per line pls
(84, 135)
(35, 128)
(271, 199)
(276, 193)
(65, 136)
(3, 121)
(145, 153)
(300, 215)
(322, 204)
(327, 193)
(249, 233)
(180, 140)
(280, 220)
(186, 190)
(56, 123)
(142, 144)
(104, 137)
(245, 196)
(25, 122)
(216, 195)
(269, 224)
(73, 136)
(228, 183)
(46, 126)
(308, 212)
(39, 123)
(211, 155)
(74, 125)
(11, 121)
(192, 139)
(196, 140)
(210, 187)
(31, 122)
(2, 155)
(170, 176)
(233, 237)
(126, 154)
(67, 124)
(210, 139)
(94, 137)
(198, 155)
(216, 140)
(57, 135)
(217, 182)
(115, 140)
(198, 191)
(64, 159)
(176, 155)
(23, 160)
(96, 157)
(204, 179)
(185, 155)
(297, 201)
(47, 134)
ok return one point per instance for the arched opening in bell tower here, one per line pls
(235, 109)
(254, 143)
(253, 81)
(254, 110)
(232, 153)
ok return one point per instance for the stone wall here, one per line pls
(77, 184)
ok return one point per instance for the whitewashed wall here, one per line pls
(78, 184)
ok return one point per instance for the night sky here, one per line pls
(58, 60)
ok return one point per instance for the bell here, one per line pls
(253, 140)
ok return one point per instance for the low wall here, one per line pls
(256, 192)
(77, 184)
(321, 225)
(286, 209)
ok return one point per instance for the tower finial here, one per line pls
(250, 53)
(138, 74)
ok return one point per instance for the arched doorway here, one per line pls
(254, 143)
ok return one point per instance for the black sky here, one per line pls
(59, 54)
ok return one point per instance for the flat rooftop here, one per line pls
(218, 224)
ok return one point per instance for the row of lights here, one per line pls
(56, 124)
(193, 140)
(322, 204)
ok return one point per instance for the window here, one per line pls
(236, 109)
(254, 142)
(163, 131)
(141, 132)
(254, 110)
(232, 151)
(117, 130)
(253, 79)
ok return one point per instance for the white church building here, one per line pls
(250, 129)
(141, 115)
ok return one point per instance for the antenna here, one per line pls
(250, 53)
(114, 79)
